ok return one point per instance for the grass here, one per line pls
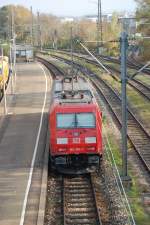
(144, 78)
(134, 194)
(116, 152)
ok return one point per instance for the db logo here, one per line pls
(76, 140)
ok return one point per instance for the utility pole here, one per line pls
(99, 26)
(101, 22)
(55, 39)
(13, 47)
(71, 46)
(124, 46)
(13, 70)
(12, 21)
(14, 57)
(9, 27)
(39, 30)
(32, 41)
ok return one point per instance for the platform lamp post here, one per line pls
(4, 90)
(11, 68)
(13, 46)
(12, 55)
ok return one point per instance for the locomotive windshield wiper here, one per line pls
(75, 122)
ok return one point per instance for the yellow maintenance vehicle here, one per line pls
(4, 72)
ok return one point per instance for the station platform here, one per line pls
(22, 144)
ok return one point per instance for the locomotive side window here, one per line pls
(65, 120)
(86, 120)
(78, 120)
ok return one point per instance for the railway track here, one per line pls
(131, 62)
(84, 199)
(139, 138)
(137, 135)
(134, 83)
(56, 71)
(80, 203)
(141, 88)
(137, 65)
(90, 199)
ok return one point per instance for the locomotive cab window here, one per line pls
(86, 120)
(65, 120)
(78, 120)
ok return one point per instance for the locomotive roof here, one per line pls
(78, 92)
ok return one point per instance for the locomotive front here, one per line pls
(75, 135)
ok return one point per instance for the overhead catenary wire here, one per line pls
(94, 57)
(140, 70)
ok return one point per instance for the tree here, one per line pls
(112, 32)
(51, 31)
(4, 23)
(143, 17)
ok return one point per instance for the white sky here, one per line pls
(74, 7)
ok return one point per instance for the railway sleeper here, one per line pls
(81, 191)
(79, 196)
(81, 216)
(80, 200)
(82, 204)
(81, 210)
(84, 222)
(84, 186)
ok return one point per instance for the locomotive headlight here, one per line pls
(90, 140)
(62, 141)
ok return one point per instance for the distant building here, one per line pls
(91, 18)
(105, 17)
(67, 19)
(24, 53)
(127, 20)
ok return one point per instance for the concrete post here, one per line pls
(124, 43)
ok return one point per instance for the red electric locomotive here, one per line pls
(75, 124)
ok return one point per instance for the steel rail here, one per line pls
(79, 201)
(56, 71)
(134, 83)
